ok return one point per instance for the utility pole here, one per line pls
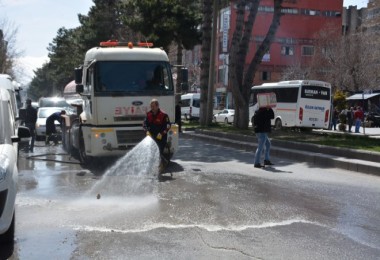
(211, 76)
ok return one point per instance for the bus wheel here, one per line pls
(278, 124)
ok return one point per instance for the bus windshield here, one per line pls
(143, 78)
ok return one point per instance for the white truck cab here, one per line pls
(116, 83)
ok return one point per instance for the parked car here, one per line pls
(374, 118)
(52, 102)
(8, 166)
(190, 106)
(225, 116)
(42, 114)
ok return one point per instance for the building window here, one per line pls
(287, 50)
(221, 75)
(331, 13)
(307, 50)
(310, 12)
(266, 9)
(289, 11)
(265, 75)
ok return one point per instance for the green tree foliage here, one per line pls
(173, 21)
(242, 76)
(339, 100)
(41, 84)
(68, 48)
(103, 23)
(64, 56)
(166, 21)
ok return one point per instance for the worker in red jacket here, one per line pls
(157, 125)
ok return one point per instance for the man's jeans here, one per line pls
(358, 123)
(262, 139)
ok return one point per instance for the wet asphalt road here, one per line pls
(216, 206)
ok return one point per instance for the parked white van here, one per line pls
(190, 106)
(8, 166)
(6, 83)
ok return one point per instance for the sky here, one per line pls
(38, 21)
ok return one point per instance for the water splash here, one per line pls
(133, 174)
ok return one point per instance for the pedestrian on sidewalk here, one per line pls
(350, 118)
(335, 118)
(262, 126)
(30, 122)
(358, 117)
(178, 116)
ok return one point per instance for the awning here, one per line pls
(360, 96)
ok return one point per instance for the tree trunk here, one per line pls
(179, 74)
(211, 80)
(242, 78)
(206, 44)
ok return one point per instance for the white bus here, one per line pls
(300, 103)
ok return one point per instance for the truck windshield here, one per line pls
(141, 78)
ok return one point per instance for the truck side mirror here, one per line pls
(78, 75)
(79, 88)
(22, 114)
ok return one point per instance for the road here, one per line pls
(216, 206)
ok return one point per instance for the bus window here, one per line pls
(286, 95)
(315, 92)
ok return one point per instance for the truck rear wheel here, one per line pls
(83, 157)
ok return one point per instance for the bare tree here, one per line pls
(242, 77)
(296, 71)
(206, 43)
(360, 61)
(349, 63)
(8, 51)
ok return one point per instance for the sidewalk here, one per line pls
(320, 155)
(373, 132)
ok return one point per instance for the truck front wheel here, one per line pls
(83, 157)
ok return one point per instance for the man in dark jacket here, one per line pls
(51, 131)
(262, 126)
(157, 125)
(178, 119)
(30, 122)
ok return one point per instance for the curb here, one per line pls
(320, 155)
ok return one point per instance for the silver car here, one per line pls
(225, 116)
(42, 114)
